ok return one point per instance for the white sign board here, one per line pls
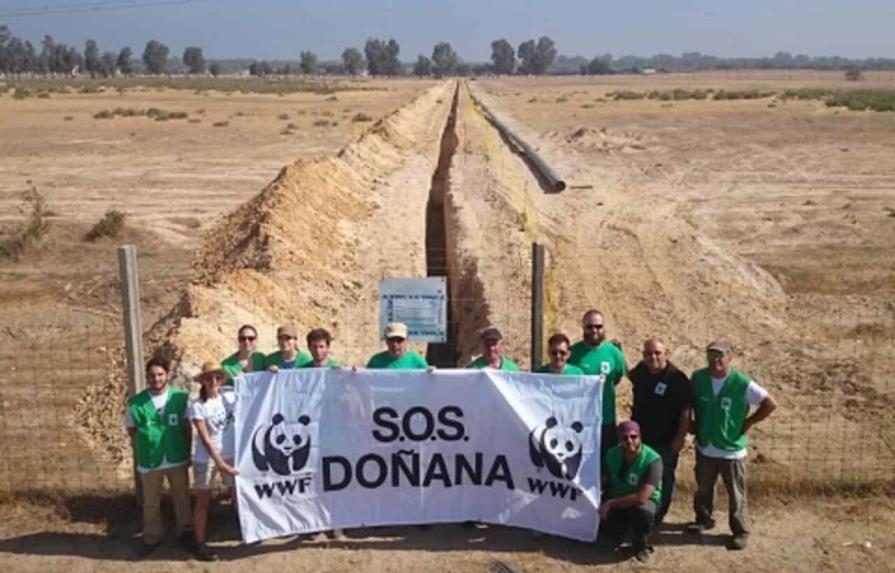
(319, 449)
(421, 304)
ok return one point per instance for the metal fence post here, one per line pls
(133, 331)
(537, 304)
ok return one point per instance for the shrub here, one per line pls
(626, 95)
(321, 123)
(104, 114)
(110, 225)
(33, 231)
(358, 117)
(21, 93)
(220, 124)
(283, 116)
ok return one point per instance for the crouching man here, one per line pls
(632, 485)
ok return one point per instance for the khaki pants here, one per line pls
(178, 483)
(733, 474)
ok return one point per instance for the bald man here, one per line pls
(663, 401)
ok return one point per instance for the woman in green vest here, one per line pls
(159, 428)
(246, 359)
(632, 481)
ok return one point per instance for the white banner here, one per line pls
(319, 449)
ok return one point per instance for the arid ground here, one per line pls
(770, 221)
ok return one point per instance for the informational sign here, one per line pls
(319, 449)
(421, 304)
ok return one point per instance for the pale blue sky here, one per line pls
(282, 28)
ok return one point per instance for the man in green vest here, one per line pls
(558, 349)
(723, 397)
(160, 431)
(632, 489)
(287, 357)
(397, 356)
(492, 353)
(598, 356)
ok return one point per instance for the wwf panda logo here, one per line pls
(282, 446)
(556, 447)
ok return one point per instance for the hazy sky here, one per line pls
(282, 28)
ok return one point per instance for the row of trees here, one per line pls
(18, 57)
(380, 58)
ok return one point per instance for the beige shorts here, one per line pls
(204, 474)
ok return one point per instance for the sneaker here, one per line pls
(642, 553)
(188, 541)
(146, 549)
(738, 542)
(206, 553)
(699, 527)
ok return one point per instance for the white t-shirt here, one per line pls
(159, 401)
(217, 413)
(755, 395)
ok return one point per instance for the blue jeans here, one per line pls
(669, 466)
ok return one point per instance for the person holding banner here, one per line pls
(632, 481)
(212, 417)
(492, 353)
(598, 356)
(319, 341)
(723, 397)
(288, 356)
(397, 356)
(156, 420)
(246, 359)
(558, 349)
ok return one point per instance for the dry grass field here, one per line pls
(768, 220)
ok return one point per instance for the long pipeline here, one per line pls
(547, 173)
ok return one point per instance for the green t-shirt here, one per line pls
(330, 363)
(407, 361)
(506, 364)
(232, 368)
(276, 359)
(569, 370)
(606, 359)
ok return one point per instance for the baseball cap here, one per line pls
(491, 334)
(719, 345)
(287, 331)
(395, 330)
(628, 427)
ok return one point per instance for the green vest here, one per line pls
(232, 368)
(719, 419)
(162, 436)
(630, 481)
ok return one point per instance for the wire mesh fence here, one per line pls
(63, 388)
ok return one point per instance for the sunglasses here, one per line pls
(558, 352)
(629, 438)
(247, 338)
(395, 339)
(285, 338)
(593, 326)
(714, 355)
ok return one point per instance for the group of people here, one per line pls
(639, 456)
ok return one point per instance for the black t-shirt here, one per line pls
(658, 401)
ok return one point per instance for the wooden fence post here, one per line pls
(537, 304)
(133, 331)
